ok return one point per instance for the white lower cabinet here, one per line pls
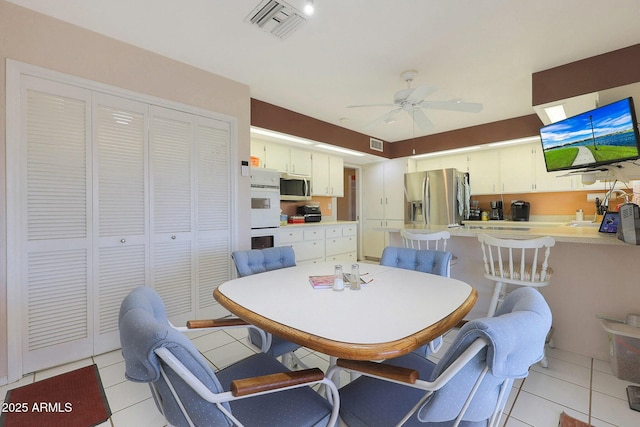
(318, 243)
(308, 245)
(341, 244)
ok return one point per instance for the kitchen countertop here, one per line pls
(316, 224)
(568, 231)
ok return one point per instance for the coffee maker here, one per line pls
(496, 210)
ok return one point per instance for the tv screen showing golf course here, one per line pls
(605, 135)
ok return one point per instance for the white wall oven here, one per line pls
(265, 207)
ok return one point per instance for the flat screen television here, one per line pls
(605, 135)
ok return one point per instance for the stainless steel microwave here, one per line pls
(295, 187)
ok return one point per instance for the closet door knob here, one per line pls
(123, 240)
(173, 237)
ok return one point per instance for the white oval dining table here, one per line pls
(398, 311)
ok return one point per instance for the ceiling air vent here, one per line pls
(376, 144)
(276, 17)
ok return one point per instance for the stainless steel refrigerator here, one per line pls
(436, 197)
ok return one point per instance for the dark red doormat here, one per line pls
(567, 421)
(74, 399)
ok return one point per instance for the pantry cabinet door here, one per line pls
(49, 231)
(213, 213)
(172, 211)
(120, 220)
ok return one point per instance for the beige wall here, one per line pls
(35, 39)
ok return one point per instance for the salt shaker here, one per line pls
(355, 277)
(338, 279)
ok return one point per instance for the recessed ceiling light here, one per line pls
(308, 8)
(556, 113)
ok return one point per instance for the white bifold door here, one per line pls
(107, 193)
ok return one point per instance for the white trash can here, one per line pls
(624, 349)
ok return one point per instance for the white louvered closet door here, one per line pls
(55, 194)
(213, 213)
(172, 211)
(120, 209)
(106, 193)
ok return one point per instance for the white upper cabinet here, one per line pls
(327, 177)
(300, 161)
(282, 157)
(484, 172)
(516, 168)
(455, 161)
(276, 156)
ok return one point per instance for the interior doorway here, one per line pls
(347, 209)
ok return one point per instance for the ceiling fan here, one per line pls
(412, 100)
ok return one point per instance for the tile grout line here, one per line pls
(590, 392)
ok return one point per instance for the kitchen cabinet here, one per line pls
(308, 244)
(516, 164)
(455, 161)
(258, 150)
(300, 161)
(327, 175)
(341, 243)
(282, 157)
(318, 243)
(383, 202)
(484, 172)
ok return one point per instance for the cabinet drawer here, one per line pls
(349, 230)
(316, 233)
(348, 258)
(341, 245)
(334, 232)
(288, 236)
(308, 250)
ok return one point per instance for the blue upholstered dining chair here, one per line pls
(468, 386)
(256, 261)
(188, 392)
(426, 261)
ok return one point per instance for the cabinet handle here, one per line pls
(123, 240)
(173, 237)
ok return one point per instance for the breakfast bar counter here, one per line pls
(593, 274)
(566, 231)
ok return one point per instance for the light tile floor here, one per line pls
(582, 387)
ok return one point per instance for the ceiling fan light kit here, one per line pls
(412, 100)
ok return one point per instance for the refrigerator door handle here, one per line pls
(426, 199)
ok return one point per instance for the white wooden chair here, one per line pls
(436, 241)
(518, 263)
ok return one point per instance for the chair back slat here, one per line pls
(522, 262)
(436, 241)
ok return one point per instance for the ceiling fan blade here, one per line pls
(420, 93)
(382, 118)
(420, 119)
(453, 105)
(371, 105)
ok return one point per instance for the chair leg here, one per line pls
(544, 362)
(548, 341)
(493, 304)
